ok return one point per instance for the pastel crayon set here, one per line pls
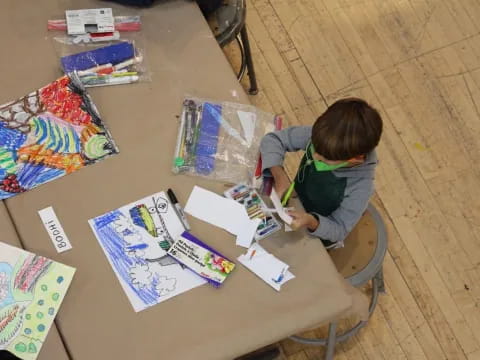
(255, 206)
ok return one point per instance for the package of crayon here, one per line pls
(256, 209)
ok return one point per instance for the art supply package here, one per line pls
(220, 140)
(103, 48)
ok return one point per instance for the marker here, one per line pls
(95, 76)
(111, 81)
(267, 230)
(126, 63)
(178, 208)
(94, 69)
(253, 253)
(281, 276)
(111, 68)
(288, 194)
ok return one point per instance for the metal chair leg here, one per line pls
(331, 341)
(349, 333)
(248, 57)
(381, 284)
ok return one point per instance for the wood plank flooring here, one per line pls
(418, 62)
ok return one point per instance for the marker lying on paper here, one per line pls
(253, 253)
(178, 208)
(281, 276)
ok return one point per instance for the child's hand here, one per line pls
(302, 219)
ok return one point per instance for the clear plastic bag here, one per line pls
(220, 140)
(100, 59)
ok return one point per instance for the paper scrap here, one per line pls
(277, 203)
(248, 120)
(55, 229)
(222, 212)
(245, 237)
(266, 266)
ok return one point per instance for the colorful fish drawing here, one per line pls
(49, 133)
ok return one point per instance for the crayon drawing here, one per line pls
(31, 291)
(135, 239)
(49, 133)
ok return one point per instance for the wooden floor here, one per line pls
(418, 62)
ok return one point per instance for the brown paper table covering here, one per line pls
(96, 318)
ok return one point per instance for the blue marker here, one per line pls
(281, 276)
(268, 229)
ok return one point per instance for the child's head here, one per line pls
(349, 129)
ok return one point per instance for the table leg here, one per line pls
(331, 341)
(248, 57)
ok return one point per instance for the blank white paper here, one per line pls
(222, 212)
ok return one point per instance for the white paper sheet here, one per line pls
(247, 233)
(222, 212)
(266, 266)
(135, 238)
(277, 203)
(214, 209)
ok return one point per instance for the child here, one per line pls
(335, 178)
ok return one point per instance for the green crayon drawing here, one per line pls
(30, 297)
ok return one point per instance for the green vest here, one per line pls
(320, 192)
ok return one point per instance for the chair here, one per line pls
(230, 19)
(359, 262)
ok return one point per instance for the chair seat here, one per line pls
(359, 249)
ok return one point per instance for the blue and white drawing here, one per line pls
(135, 239)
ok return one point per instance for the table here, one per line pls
(52, 348)
(96, 318)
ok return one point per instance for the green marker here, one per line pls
(288, 194)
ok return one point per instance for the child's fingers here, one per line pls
(295, 213)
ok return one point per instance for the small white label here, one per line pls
(89, 21)
(54, 229)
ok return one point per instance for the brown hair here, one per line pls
(350, 127)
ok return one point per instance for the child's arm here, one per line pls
(273, 148)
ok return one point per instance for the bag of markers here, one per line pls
(103, 48)
(220, 140)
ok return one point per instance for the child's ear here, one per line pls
(357, 160)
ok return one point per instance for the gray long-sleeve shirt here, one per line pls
(359, 188)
